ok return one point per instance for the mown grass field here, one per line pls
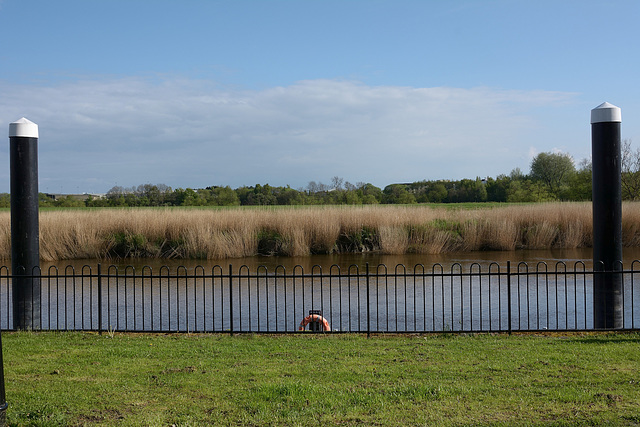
(86, 379)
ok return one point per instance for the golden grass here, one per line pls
(217, 234)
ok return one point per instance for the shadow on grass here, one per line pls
(608, 338)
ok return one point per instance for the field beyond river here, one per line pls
(183, 233)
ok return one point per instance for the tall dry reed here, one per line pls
(216, 234)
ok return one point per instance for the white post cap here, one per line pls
(23, 128)
(606, 112)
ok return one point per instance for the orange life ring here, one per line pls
(314, 318)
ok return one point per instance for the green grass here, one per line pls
(83, 378)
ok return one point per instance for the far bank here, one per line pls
(178, 233)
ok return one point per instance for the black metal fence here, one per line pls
(366, 299)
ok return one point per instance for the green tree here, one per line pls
(436, 193)
(45, 200)
(115, 196)
(225, 196)
(467, 190)
(186, 197)
(580, 184)
(371, 194)
(397, 194)
(69, 202)
(97, 202)
(152, 195)
(553, 170)
(498, 188)
(630, 179)
(528, 191)
(262, 195)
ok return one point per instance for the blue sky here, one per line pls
(237, 92)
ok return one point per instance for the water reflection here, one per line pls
(344, 261)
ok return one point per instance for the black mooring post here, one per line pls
(25, 245)
(607, 216)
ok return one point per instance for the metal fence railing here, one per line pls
(476, 298)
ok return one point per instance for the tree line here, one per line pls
(552, 177)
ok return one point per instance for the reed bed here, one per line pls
(240, 232)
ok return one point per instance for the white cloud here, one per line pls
(95, 133)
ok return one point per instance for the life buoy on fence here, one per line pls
(314, 318)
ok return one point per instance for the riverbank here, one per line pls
(132, 379)
(240, 232)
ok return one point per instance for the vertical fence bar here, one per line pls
(142, 287)
(231, 300)
(509, 294)
(99, 299)
(152, 313)
(73, 290)
(368, 304)
(633, 310)
(134, 300)
(82, 278)
(286, 317)
(186, 299)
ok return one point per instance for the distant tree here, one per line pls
(224, 196)
(516, 174)
(288, 196)
(437, 193)
(152, 195)
(369, 193)
(419, 190)
(498, 188)
(115, 196)
(243, 194)
(526, 190)
(97, 202)
(115, 192)
(312, 187)
(336, 183)
(630, 179)
(262, 195)
(476, 190)
(45, 200)
(68, 202)
(185, 197)
(349, 186)
(467, 190)
(580, 185)
(397, 194)
(554, 170)
(352, 197)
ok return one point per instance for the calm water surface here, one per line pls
(344, 261)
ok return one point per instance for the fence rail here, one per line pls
(490, 298)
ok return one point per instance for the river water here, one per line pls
(429, 293)
(344, 261)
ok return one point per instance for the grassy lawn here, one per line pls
(129, 379)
